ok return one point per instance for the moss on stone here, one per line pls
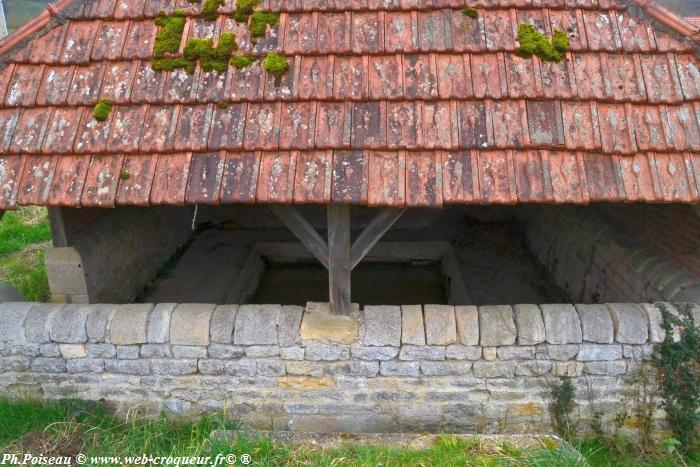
(125, 175)
(244, 9)
(171, 64)
(470, 12)
(102, 110)
(211, 9)
(259, 22)
(276, 64)
(211, 58)
(222, 105)
(170, 33)
(243, 61)
(533, 42)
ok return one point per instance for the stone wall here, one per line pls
(112, 254)
(386, 368)
(597, 262)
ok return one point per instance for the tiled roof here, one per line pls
(694, 20)
(387, 102)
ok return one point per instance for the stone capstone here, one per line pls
(631, 323)
(381, 326)
(596, 324)
(36, 324)
(129, 324)
(497, 326)
(189, 324)
(289, 325)
(440, 325)
(467, 318)
(159, 323)
(68, 324)
(528, 319)
(222, 321)
(256, 325)
(324, 326)
(412, 326)
(561, 324)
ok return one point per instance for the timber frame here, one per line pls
(339, 255)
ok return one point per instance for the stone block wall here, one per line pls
(383, 369)
(597, 262)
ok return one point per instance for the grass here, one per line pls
(67, 428)
(24, 237)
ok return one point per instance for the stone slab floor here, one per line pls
(494, 260)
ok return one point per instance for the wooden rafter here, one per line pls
(374, 232)
(304, 231)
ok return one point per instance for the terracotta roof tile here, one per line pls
(386, 102)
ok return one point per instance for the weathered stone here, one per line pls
(516, 352)
(412, 326)
(226, 351)
(132, 367)
(374, 353)
(12, 316)
(10, 294)
(528, 410)
(85, 365)
(305, 383)
(426, 352)
(381, 326)
(596, 323)
(496, 326)
(461, 352)
(101, 350)
(353, 368)
(189, 324)
(189, 351)
(72, 350)
(304, 368)
(528, 319)
(289, 325)
(211, 366)
(570, 369)
(638, 353)
(262, 351)
(494, 369)
(156, 351)
(221, 326)
(243, 367)
(657, 333)
(292, 353)
(467, 319)
(128, 352)
(323, 326)
(36, 324)
(317, 351)
(16, 363)
(561, 352)
(599, 352)
(489, 353)
(445, 368)
(533, 368)
(159, 323)
(605, 368)
(31, 350)
(256, 325)
(270, 367)
(50, 350)
(394, 368)
(97, 323)
(440, 325)
(67, 324)
(173, 367)
(49, 365)
(129, 324)
(561, 324)
(631, 323)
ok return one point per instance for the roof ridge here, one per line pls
(34, 26)
(669, 19)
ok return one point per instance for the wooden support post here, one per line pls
(59, 234)
(304, 231)
(374, 231)
(339, 284)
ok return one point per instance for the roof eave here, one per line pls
(670, 20)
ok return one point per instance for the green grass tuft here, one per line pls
(276, 64)
(211, 9)
(102, 110)
(470, 12)
(532, 42)
(259, 22)
(244, 9)
(243, 61)
(170, 33)
(211, 58)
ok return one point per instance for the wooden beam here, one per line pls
(304, 231)
(339, 284)
(374, 231)
(59, 234)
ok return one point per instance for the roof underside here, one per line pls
(387, 103)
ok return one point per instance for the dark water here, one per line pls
(372, 284)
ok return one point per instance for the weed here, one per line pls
(211, 9)
(244, 9)
(243, 61)
(470, 12)
(276, 64)
(259, 22)
(102, 110)
(561, 407)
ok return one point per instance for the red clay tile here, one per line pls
(661, 79)
(316, 78)
(460, 173)
(117, 82)
(615, 130)
(497, 178)
(420, 76)
(693, 165)
(559, 79)
(668, 43)
(499, 30)
(276, 180)
(348, 78)
(139, 40)
(62, 130)
(8, 123)
(682, 127)
(440, 125)
(601, 178)
(79, 42)
(298, 125)
(489, 76)
(350, 174)
(110, 40)
(47, 48)
(636, 35)
(581, 128)
(100, 9)
(239, 183)
(333, 125)
(589, 77)
(135, 180)
(180, 87)
(85, 88)
(55, 85)
(248, 83)
(454, 76)
(404, 129)
(153, 7)
(467, 33)
(22, 88)
(369, 125)
(689, 76)
(206, 173)
(262, 128)
(401, 32)
(212, 86)
(69, 181)
(673, 179)
(36, 180)
(431, 30)
(530, 178)
(423, 179)
(625, 75)
(30, 130)
(567, 180)
(387, 179)
(129, 9)
(545, 123)
(300, 33)
(571, 22)
(334, 32)
(227, 127)
(520, 74)
(170, 179)
(148, 85)
(11, 169)
(472, 124)
(192, 130)
(101, 181)
(367, 32)
(314, 175)
(93, 135)
(509, 120)
(126, 128)
(648, 129)
(159, 129)
(601, 31)
(283, 88)
(385, 77)
(638, 177)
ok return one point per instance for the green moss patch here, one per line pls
(533, 42)
(102, 110)
(276, 64)
(211, 9)
(259, 22)
(470, 12)
(244, 9)
(243, 61)
(211, 58)
(170, 33)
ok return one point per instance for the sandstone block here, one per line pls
(489, 353)
(445, 368)
(461, 352)
(305, 383)
(85, 365)
(298, 368)
(374, 353)
(101, 350)
(49, 365)
(97, 323)
(189, 351)
(528, 319)
(605, 368)
(561, 324)
(156, 351)
(353, 368)
(657, 333)
(497, 326)
(173, 367)
(211, 366)
(467, 318)
(50, 350)
(516, 352)
(560, 352)
(67, 324)
(533, 368)
(599, 352)
(256, 325)
(289, 325)
(159, 323)
(128, 352)
(222, 321)
(412, 328)
(132, 367)
(440, 325)
(129, 324)
(36, 324)
(596, 323)
(12, 316)
(394, 368)
(243, 367)
(494, 369)
(270, 367)
(320, 325)
(570, 369)
(425, 352)
(292, 353)
(631, 323)
(72, 350)
(189, 324)
(323, 351)
(225, 351)
(381, 325)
